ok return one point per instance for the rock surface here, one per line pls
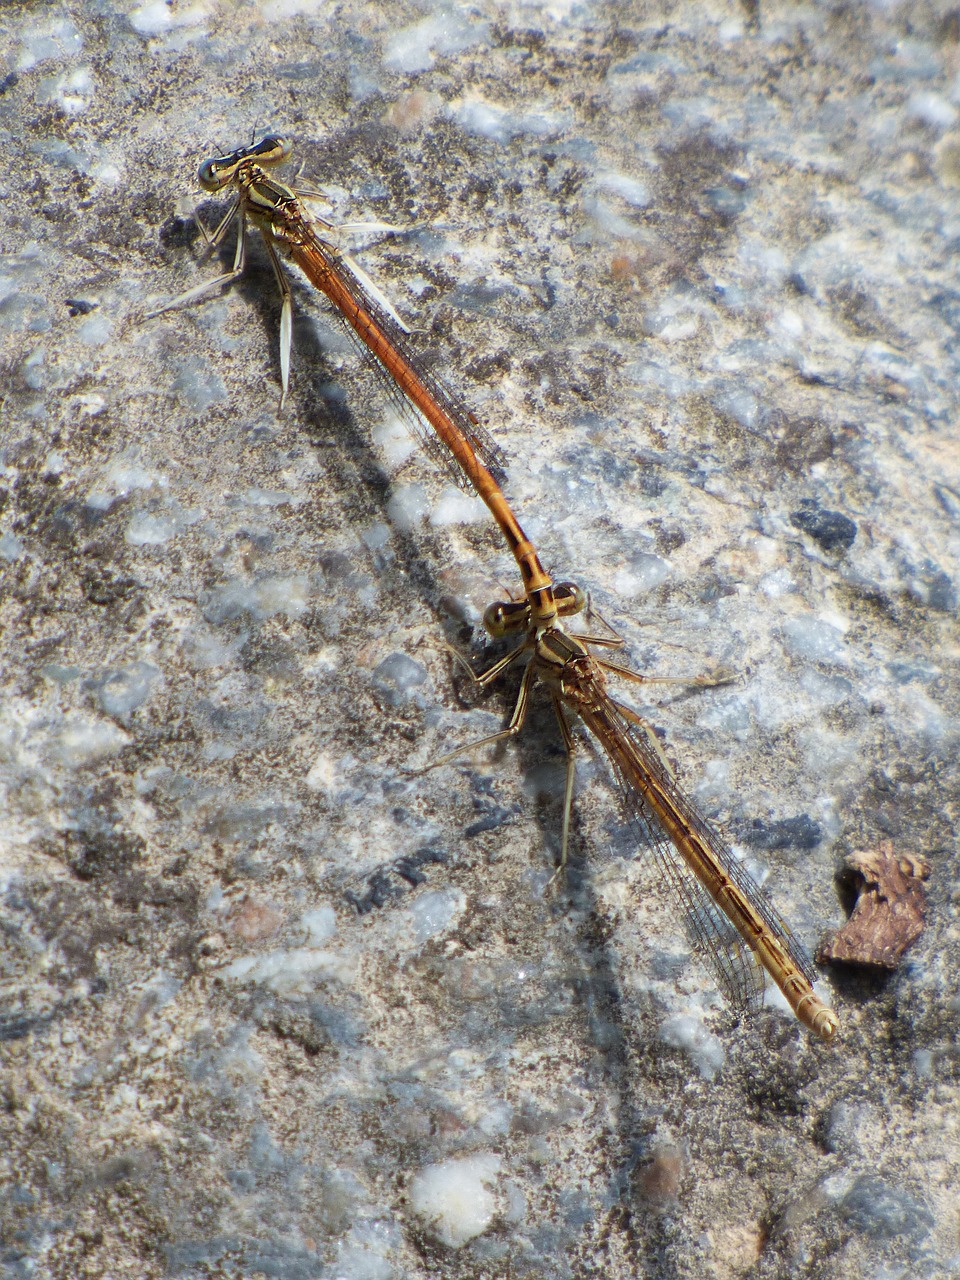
(695, 267)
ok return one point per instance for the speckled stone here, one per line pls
(694, 264)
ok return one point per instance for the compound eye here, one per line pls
(494, 620)
(570, 598)
(273, 148)
(210, 177)
(507, 617)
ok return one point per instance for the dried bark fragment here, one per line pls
(890, 912)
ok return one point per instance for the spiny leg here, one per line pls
(613, 641)
(502, 664)
(599, 642)
(498, 668)
(517, 719)
(722, 675)
(648, 731)
(213, 238)
(709, 680)
(700, 682)
(208, 286)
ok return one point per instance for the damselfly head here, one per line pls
(219, 171)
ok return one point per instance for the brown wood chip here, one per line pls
(890, 911)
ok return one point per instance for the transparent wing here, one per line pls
(716, 938)
(322, 258)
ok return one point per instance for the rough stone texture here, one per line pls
(695, 264)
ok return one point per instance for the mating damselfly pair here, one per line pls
(737, 930)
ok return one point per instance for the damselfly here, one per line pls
(737, 929)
